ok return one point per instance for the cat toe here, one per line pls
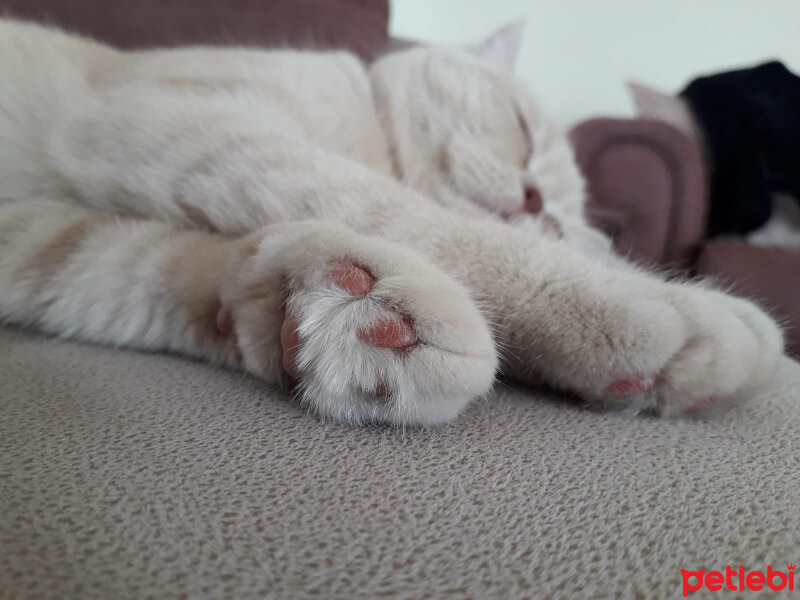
(629, 386)
(389, 332)
(352, 278)
(702, 404)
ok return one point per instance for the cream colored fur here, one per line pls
(146, 191)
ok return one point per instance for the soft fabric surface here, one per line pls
(127, 475)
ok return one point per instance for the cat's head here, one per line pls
(463, 132)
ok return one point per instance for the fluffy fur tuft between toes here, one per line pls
(368, 331)
(405, 349)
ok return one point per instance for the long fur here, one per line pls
(147, 193)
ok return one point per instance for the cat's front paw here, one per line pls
(727, 348)
(367, 331)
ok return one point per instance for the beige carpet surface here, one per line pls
(126, 475)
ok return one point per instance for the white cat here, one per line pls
(386, 236)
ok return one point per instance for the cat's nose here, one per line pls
(533, 200)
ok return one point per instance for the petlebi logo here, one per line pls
(738, 579)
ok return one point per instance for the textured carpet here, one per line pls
(127, 475)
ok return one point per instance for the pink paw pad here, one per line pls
(224, 321)
(352, 279)
(629, 386)
(702, 404)
(387, 332)
(290, 342)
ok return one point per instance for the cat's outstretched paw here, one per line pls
(621, 338)
(368, 331)
(712, 348)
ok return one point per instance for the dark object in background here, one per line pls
(751, 124)
(359, 25)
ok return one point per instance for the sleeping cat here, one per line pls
(383, 237)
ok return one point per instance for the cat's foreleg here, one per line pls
(370, 331)
(197, 163)
(76, 273)
(621, 337)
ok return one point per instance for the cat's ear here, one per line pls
(501, 48)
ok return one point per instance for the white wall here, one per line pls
(577, 54)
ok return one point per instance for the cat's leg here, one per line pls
(371, 331)
(579, 325)
(76, 273)
(201, 162)
(619, 336)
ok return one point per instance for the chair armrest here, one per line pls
(646, 187)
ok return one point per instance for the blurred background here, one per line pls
(576, 55)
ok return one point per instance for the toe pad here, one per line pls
(389, 332)
(629, 386)
(352, 279)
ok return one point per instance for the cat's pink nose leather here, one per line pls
(533, 201)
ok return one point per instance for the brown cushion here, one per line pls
(770, 276)
(358, 25)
